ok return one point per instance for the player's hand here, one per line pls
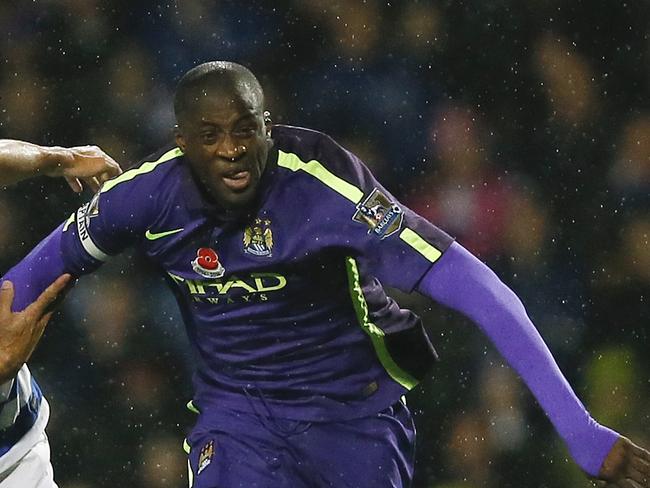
(82, 163)
(626, 466)
(21, 331)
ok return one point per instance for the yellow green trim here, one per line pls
(152, 236)
(190, 474)
(192, 408)
(142, 169)
(69, 221)
(321, 173)
(420, 245)
(375, 333)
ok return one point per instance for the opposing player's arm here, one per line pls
(20, 160)
(21, 331)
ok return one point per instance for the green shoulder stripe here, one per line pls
(147, 167)
(414, 240)
(375, 333)
(321, 173)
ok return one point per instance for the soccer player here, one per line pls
(277, 242)
(24, 449)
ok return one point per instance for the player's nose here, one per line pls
(230, 150)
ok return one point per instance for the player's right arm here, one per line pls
(115, 218)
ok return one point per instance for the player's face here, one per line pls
(226, 143)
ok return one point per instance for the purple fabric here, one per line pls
(462, 282)
(37, 270)
(260, 449)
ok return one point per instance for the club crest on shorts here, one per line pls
(205, 457)
(207, 263)
(258, 238)
(380, 214)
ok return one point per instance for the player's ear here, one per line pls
(178, 136)
(268, 123)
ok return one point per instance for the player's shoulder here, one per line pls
(308, 149)
(156, 171)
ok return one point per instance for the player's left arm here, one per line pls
(405, 251)
(20, 160)
(461, 282)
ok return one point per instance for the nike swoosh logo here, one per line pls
(152, 236)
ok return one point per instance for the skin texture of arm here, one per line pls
(20, 160)
(461, 282)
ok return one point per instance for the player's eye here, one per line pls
(244, 132)
(209, 137)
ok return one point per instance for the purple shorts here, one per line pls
(229, 449)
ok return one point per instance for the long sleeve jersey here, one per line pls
(284, 301)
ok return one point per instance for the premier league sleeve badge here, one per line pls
(382, 216)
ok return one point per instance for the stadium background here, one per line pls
(522, 128)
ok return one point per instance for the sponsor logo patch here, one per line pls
(382, 216)
(207, 263)
(258, 238)
(205, 457)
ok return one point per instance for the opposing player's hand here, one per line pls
(21, 331)
(82, 163)
(626, 466)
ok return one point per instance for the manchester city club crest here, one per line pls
(258, 238)
(207, 263)
(205, 457)
(382, 216)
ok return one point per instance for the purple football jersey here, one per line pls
(284, 303)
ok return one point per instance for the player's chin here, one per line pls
(240, 198)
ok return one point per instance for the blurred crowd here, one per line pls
(521, 128)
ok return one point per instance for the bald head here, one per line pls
(217, 79)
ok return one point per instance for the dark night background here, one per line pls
(522, 128)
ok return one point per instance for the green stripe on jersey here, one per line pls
(143, 168)
(191, 407)
(190, 473)
(420, 245)
(321, 173)
(69, 221)
(375, 333)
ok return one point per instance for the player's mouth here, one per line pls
(237, 181)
